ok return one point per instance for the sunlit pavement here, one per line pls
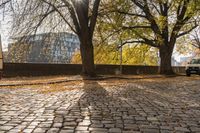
(113, 105)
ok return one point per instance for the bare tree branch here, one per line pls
(73, 16)
(94, 16)
(130, 14)
(136, 27)
(61, 15)
(187, 32)
(3, 3)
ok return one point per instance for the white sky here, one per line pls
(5, 29)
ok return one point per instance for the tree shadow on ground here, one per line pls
(98, 110)
(116, 109)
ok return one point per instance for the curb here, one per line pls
(100, 78)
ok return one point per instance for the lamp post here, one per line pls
(1, 58)
(1, 55)
(120, 48)
(121, 59)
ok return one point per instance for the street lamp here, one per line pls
(120, 49)
(121, 59)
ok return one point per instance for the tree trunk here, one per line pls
(87, 56)
(165, 60)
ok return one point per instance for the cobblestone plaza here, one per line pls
(150, 105)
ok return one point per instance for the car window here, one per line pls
(195, 61)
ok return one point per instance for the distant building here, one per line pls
(185, 60)
(5, 56)
(175, 62)
(43, 48)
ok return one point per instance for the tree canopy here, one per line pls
(159, 23)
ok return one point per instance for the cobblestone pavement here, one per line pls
(116, 106)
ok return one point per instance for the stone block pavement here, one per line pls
(157, 105)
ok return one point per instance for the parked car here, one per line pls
(193, 67)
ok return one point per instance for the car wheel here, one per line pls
(188, 74)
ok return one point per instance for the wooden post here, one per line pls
(1, 59)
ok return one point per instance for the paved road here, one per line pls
(129, 106)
